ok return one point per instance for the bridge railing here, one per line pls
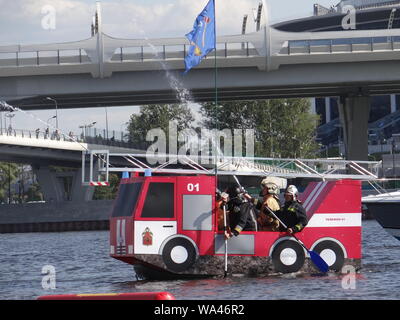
(286, 43)
(117, 50)
(143, 53)
(44, 135)
(115, 139)
(37, 58)
(269, 42)
(368, 44)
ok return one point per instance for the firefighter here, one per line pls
(292, 214)
(241, 213)
(269, 193)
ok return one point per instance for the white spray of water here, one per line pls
(183, 95)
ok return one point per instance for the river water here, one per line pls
(82, 265)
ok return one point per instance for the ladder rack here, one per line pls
(101, 163)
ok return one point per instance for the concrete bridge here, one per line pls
(105, 71)
(44, 152)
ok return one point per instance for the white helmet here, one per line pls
(292, 190)
(270, 186)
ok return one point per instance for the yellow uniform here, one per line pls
(265, 221)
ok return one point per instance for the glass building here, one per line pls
(384, 118)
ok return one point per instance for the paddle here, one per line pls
(226, 243)
(315, 257)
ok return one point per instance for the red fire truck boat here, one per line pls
(165, 223)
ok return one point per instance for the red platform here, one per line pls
(112, 296)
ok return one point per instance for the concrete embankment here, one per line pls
(55, 217)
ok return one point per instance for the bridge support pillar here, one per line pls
(354, 116)
(52, 188)
(62, 186)
(80, 192)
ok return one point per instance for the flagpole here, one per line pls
(216, 136)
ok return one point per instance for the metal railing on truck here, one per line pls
(98, 164)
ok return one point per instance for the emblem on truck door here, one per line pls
(147, 237)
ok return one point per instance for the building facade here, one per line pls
(384, 118)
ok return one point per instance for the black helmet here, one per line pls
(233, 191)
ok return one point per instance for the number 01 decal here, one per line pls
(193, 187)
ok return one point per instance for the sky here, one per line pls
(22, 22)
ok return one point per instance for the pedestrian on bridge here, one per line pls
(57, 135)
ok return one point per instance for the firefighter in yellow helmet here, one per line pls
(269, 193)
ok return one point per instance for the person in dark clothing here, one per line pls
(292, 214)
(241, 214)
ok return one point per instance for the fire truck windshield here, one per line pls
(159, 201)
(128, 195)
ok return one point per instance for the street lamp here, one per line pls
(3, 108)
(10, 116)
(123, 130)
(9, 183)
(55, 101)
(53, 117)
(106, 124)
(85, 126)
(47, 133)
(1, 120)
(394, 165)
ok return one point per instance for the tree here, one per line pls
(157, 116)
(230, 115)
(34, 193)
(283, 127)
(107, 193)
(8, 175)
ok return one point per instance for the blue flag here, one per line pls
(202, 38)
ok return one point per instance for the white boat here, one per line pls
(385, 208)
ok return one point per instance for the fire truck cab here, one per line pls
(167, 226)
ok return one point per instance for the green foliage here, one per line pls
(107, 193)
(34, 193)
(157, 116)
(283, 127)
(8, 175)
(230, 115)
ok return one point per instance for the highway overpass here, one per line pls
(44, 153)
(105, 71)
